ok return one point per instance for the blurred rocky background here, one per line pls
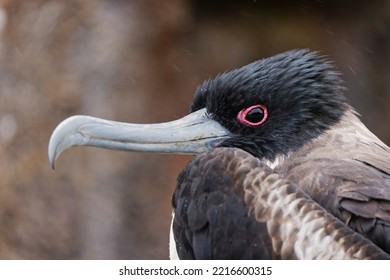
(140, 61)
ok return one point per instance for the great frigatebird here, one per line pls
(284, 168)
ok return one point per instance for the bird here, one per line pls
(283, 168)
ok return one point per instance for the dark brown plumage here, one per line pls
(347, 171)
(241, 203)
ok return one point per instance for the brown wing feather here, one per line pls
(212, 220)
(347, 171)
(229, 205)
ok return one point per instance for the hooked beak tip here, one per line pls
(64, 137)
(52, 164)
(52, 157)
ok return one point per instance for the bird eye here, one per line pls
(253, 115)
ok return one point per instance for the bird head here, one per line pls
(276, 104)
(267, 108)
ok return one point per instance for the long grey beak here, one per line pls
(192, 134)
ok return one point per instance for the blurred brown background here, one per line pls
(140, 61)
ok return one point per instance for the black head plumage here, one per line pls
(300, 90)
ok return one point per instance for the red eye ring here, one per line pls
(242, 115)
